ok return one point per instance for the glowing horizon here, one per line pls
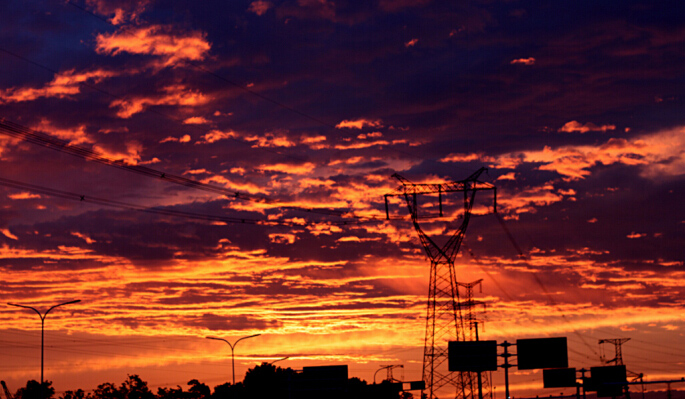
(221, 170)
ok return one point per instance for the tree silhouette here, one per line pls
(230, 391)
(268, 381)
(36, 390)
(264, 381)
(133, 388)
(171, 393)
(78, 394)
(198, 389)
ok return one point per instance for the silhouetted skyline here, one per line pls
(129, 127)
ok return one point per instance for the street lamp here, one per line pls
(232, 347)
(278, 360)
(42, 328)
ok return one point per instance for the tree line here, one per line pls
(264, 381)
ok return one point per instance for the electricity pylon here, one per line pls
(444, 321)
(471, 321)
(468, 303)
(618, 342)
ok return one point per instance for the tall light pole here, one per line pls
(278, 360)
(232, 347)
(42, 329)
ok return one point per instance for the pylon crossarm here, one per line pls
(470, 183)
(449, 250)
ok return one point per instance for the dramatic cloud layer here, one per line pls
(193, 169)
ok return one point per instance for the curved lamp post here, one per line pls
(278, 360)
(42, 328)
(232, 347)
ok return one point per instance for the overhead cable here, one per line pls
(554, 303)
(167, 212)
(15, 130)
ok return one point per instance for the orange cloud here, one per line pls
(367, 135)
(131, 156)
(260, 7)
(524, 61)
(523, 201)
(315, 143)
(285, 238)
(183, 139)
(74, 136)
(216, 135)
(323, 228)
(349, 161)
(84, 237)
(22, 196)
(349, 239)
(195, 120)
(246, 187)
(466, 158)
(507, 176)
(658, 154)
(163, 41)
(8, 234)
(195, 172)
(61, 253)
(356, 146)
(575, 126)
(272, 139)
(503, 161)
(664, 153)
(311, 182)
(411, 43)
(120, 12)
(358, 124)
(63, 85)
(175, 95)
(302, 169)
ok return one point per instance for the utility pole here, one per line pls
(444, 320)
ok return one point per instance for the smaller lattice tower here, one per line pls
(471, 320)
(618, 342)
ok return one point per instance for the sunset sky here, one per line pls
(277, 126)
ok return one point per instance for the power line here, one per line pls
(539, 282)
(166, 212)
(21, 132)
(511, 298)
(24, 133)
(122, 98)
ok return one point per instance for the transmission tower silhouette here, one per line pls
(470, 319)
(444, 319)
(618, 342)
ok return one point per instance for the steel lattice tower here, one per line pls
(444, 321)
(618, 342)
(471, 321)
